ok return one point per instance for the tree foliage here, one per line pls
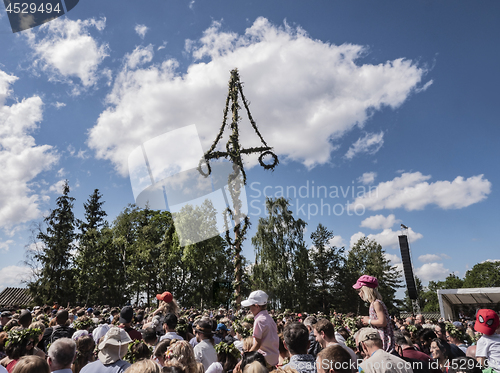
(278, 241)
(367, 257)
(328, 267)
(483, 275)
(139, 255)
(55, 275)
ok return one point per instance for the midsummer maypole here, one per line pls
(237, 177)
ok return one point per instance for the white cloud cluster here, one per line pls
(141, 30)
(305, 93)
(386, 238)
(428, 258)
(367, 178)
(67, 49)
(13, 276)
(395, 261)
(59, 105)
(412, 192)
(337, 241)
(4, 246)
(21, 160)
(57, 187)
(370, 143)
(432, 272)
(139, 56)
(379, 222)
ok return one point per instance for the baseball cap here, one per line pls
(366, 334)
(165, 296)
(222, 326)
(365, 280)
(256, 297)
(126, 314)
(487, 322)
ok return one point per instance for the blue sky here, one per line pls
(391, 97)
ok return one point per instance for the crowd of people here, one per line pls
(252, 340)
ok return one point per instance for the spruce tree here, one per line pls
(89, 256)
(328, 265)
(55, 279)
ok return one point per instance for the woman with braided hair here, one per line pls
(84, 352)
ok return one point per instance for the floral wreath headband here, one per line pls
(19, 336)
(228, 349)
(169, 355)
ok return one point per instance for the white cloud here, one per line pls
(370, 143)
(337, 241)
(139, 56)
(428, 258)
(379, 222)
(82, 154)
(355, 238)
(395, 261)
(412, 192)
(490, 260)
(424, 88)
(21, 160)
(57, 187)
(367, 178)
(4, 246)
(141, 30)
(59, 105)
(13, 276)
(68, 50)
(386, 238)
(191, 4)
(432, 272)
(312, 91)
(390, 238)
(61, 172)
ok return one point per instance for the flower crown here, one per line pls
(20, 336)
(172, 355)
(181, 328)
(131, 355)
(228, 349)
(454, 331)
(83, 324)
(241, 330)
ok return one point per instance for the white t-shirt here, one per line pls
(488, 346)
(171, 335)
(205, 353)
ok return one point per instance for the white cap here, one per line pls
(256, 297)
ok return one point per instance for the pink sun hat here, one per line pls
(365, 280)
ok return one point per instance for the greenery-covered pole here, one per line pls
(233, 153)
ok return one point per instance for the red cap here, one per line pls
(365, 280)
(487, 322)
(166, 297)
